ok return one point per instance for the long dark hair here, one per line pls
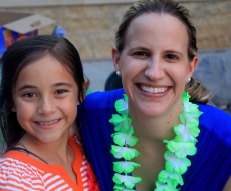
(19, 55)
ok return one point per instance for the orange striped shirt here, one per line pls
(19, 172)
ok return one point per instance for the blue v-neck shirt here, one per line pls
(211, 165)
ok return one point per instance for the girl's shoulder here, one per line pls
(13, 171)
(17, 167)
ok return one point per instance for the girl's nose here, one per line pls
(46, 106)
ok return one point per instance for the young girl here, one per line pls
(42, 84)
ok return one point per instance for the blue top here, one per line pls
(211, 165)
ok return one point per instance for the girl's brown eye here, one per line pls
(60, 91)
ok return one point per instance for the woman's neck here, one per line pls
(155, 128)
(151, 131)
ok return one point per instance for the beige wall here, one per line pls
(91, 27)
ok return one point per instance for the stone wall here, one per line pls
(91, 28)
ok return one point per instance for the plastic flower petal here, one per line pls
(160, 186)
(121, 123)
(172, 178)
(184, 132)
(173, 163)
(122, 139)
(129, 181)
(124, 166)
(181, 149)
(116, 119)
(121, 188)
(124, 152)
(121, 105)
(185, 97)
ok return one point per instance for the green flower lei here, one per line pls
(178, 149)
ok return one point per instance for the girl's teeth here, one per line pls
(47, 122)
(153, 90)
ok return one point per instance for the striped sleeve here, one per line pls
(16, 176)
(88, 178)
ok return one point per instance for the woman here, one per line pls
(160, 139)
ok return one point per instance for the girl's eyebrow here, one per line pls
(26, 86)
(34, 87)
(62, 84)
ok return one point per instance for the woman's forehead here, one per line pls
(157, 29)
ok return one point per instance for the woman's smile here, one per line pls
(153, 89)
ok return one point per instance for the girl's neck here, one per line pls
(53, 153)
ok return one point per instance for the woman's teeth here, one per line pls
(153, 90)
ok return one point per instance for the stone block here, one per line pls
(85, 18)
(116, 12)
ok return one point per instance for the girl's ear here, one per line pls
(13, 109)
(86, 85)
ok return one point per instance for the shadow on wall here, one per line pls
(214, 70)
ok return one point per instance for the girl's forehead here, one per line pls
(46, 69)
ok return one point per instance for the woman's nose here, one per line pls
(154, 70)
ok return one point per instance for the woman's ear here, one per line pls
(192, 66)
(115, 58)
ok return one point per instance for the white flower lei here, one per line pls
(178, 149)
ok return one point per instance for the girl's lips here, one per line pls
(47, 124)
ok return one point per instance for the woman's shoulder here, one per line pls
(216, 121)
(103, 99)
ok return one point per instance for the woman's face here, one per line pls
(154, 64)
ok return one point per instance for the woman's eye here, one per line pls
(143, 54)
(29, 95)
(171, 56)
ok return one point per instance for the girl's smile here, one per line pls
(47, 125)
(45, 104)
(47, 122)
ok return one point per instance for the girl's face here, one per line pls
(154, 64)
(45, 98)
